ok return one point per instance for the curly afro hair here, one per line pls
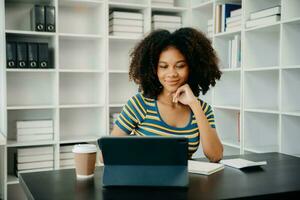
(200, 56)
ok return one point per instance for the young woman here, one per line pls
(171, 70)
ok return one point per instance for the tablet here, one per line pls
(144, 161)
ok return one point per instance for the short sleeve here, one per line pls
(209, 113)
(132, 114)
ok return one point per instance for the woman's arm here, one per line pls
(211, 144)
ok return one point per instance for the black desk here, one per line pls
(279, 179)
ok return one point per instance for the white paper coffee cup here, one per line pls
(85, 160)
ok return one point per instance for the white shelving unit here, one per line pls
(257, 106)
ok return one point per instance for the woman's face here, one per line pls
(172, 69)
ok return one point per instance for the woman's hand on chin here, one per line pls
(184, 95)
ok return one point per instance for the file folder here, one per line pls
(11, 53)
(22, 54)
(43, 55)
(38, 18)
(33, 55)
(50, 18)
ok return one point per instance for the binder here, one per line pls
(32, 55)
(11, 53)
(38, 18)
(21, 54)
(43, 55)
(50, 18)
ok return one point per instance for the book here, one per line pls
(210, 22)
(233, 28)
(66, 148)
(166, 24)
(205, 168)
(126, 22)
(236, 12)
(134, 29)
(35, 158)
(126, 15)
(35, 124)
(66, 162)
(226, 10)
(240, 163)
(218, 18)
(34, 165)
(33, 131)
(163, 1)
(36, 137)
(126, 34)
(265, 12)
(262, 21)
(66, 155)
(166, 18)
(233, 19)
(34, 151)
(233, 24)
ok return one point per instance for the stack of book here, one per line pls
(35, 130)
(66, 156)
(112, 119)
(265, 16)
(168, 22)
(163, 3)
(234, 22)
(34, 158)
(210, 28)
(234, 52)
(128, 24)
(222, 12)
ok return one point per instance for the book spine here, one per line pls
(126, 15)
(34, 165)
(67, 162)
(33, 131)
(262, 21)
(236, 12)
(265, 13)
(35, 158)
(35, 124)
(30, 138)
(34, 151)
(66, 148)
(66, 155)
(134, 29)
(166, 18)
(126, 22)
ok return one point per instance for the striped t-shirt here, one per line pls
(140, 116)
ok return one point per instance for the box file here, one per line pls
(11, 53)
(33, 55)
(38, 18)
(50, 18)
(21, 54)
(43, 55)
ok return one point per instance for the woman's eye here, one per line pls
(163, 66)
(180, 66)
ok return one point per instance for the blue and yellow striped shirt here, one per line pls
(140, 116)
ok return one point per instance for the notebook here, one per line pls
(240, 163)
(205, 168)
(144, 161)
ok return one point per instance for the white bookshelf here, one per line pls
(256, 106)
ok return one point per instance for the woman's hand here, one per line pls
(184, 95)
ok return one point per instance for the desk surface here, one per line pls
(280, 177)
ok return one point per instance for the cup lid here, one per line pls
(84, 148)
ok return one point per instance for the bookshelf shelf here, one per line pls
(13, 143)
(88, 81)
(30, 33)
(36, 107)
(31, 70)
(80, 36)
